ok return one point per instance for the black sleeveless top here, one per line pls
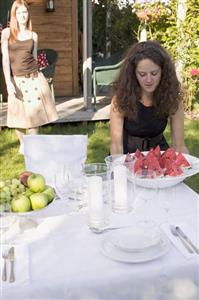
(147, 126)
(21, 57)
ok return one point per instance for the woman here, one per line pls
(30, 102)
(146, 94)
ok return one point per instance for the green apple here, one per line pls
(21, 204)
(38, 200)
(2, 184)
(28, 193)
(36, 183)
(49, 191)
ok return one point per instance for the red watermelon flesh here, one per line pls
(169, 153)
(157, 152)
(181, 161)
(138, 153)
(173, 170)
(138, 164)
(168, 163)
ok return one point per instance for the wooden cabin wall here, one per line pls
(59, 30)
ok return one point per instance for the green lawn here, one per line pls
(12, 163)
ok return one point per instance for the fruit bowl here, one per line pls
(38, 212)
(34, 212)
(163, 181)
(168, 181)
(25, 195)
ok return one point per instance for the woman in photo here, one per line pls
(30, 102)
(147, 94)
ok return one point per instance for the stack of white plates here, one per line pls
(135, 244)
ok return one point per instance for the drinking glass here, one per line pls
(61, 179)
(98, 193)
(166, 198)
(7, 219)
(145, 190)
(121, 189)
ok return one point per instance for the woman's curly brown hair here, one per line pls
(166, 97)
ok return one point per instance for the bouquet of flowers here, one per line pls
(150, 10)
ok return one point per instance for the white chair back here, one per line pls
(47, 154)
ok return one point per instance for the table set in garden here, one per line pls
(107, 234)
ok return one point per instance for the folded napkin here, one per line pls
(21, 265)
(190, 232)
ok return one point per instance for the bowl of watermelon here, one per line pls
(169, 167)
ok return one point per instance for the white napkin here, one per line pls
(21, 264)
(176, 241)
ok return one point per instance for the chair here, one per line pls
(106, 71)
(47, 154)
(49, 70)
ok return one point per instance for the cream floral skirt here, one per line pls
(33, 105)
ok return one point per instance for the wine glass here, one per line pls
(166, 198)
(145, 187)
(77, 189)
(61, 179)
(7, 219)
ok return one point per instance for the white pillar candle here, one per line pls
(120, 186)
(95, 193)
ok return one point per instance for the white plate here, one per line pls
(164, 182)
(136, 239)
(114, 253)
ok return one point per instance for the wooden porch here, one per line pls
(71, 109)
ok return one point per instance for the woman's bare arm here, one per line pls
(116, 129)
(177, 130)
(35, 39)
(6, 61)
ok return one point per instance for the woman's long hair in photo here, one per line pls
(14, 26)
(168, 94)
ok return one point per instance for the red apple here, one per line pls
(23, 177)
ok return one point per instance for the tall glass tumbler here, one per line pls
(121, 189)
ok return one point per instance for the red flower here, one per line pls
(194, 72)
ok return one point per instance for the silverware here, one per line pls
(102, 230)
(176, 233)
(187, 239)
(11, 254)
(4, 273)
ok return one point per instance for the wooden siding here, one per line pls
(59, 30)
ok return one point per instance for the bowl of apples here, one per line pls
(26, 194)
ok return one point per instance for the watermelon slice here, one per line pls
(173, 170)
(181, 161)
(139, 164)
(157, 152)
(138, 153)
(168, 163)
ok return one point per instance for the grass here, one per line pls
(12, 163)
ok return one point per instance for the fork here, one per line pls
(4, 273)
(11, 254)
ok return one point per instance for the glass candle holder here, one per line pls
(97, 178)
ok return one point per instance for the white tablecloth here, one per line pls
(65, 260)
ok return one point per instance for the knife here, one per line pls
(11, 255)
(187, 239)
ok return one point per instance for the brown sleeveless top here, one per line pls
(21, 57)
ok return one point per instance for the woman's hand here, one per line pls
(181, 148)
